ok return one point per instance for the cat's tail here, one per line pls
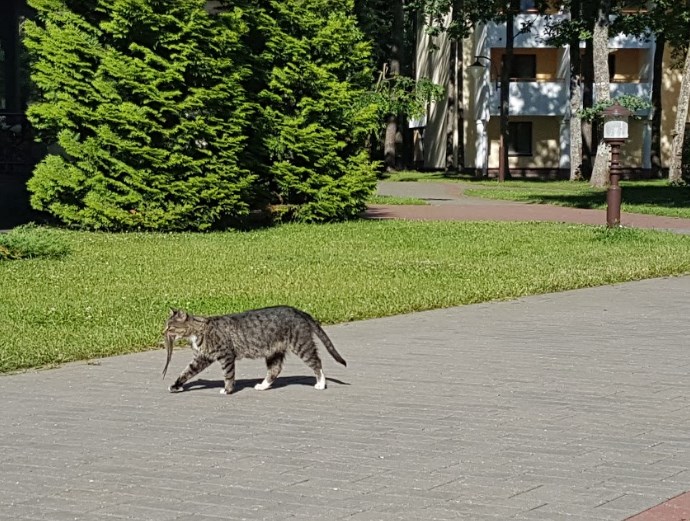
(327, 342)
(316, 328)
(324, 338)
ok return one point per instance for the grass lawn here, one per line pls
(655, 197)
(111, 294)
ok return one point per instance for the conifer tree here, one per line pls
(311, 74)
(143, 103)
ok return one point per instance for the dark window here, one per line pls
(612, 66)
(520, 142)
(524, 67)
(528, 5)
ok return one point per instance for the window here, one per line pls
(528, 5)
(612, 66)
(524, 67)
(520, 140)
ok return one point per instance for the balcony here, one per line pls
(535, 38)
(537, 35)
(533, 98)
(550, 98)
(624, 41)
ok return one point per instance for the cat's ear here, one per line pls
(178, 314)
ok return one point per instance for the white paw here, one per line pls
(320, 382)
(223, 391)
(175, 389)
(262, 386)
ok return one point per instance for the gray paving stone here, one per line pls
(571, 406)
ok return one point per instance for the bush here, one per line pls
(29, 242)
(144, 104)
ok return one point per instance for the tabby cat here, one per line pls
(260, 333)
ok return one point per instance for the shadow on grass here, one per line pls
(661, 196)
(201, 384)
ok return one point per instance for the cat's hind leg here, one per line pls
(274, 363)
(227, 362)
(307, 351)
(197, 365)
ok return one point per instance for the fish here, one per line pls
(169, 341)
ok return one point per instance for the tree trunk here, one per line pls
(600, 44)
(675, 168)
(397, 30)
(454, 114)
(657, 73)
(407, 59)
(506, 69)
(575, 99)
(389, 154)
(587, 103)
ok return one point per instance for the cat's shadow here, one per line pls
(201, 384)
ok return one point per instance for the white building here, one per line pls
(539, 110)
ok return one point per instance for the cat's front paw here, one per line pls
(175, 389)
(225, 391)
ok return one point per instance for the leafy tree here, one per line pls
(391, 27)
(143, 101)
(592, 21)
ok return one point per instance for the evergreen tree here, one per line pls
(144, 105)
(312, 70)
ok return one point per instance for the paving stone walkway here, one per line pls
(570, 406)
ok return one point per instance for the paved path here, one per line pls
(571, 406)
(447, 202)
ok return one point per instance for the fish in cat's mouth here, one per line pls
(169, 340)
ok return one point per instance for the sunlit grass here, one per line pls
(111, 294)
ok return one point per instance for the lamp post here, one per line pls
(615, 134)
(476, 71)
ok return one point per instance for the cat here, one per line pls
(260, 333)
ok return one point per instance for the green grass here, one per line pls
(413, 176)
(112, 293)
(653, 197)
(391, 199)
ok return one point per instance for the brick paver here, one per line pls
(567, 406)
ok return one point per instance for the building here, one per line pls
(539, 112)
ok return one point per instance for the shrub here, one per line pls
(29, 242)
(143, 101)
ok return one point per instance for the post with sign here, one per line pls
(615, 134)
